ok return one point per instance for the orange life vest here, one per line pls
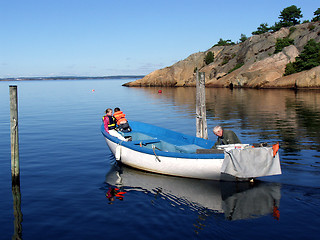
(120, 117)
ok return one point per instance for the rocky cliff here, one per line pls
(258, 66)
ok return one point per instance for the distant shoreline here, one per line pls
(69, 78)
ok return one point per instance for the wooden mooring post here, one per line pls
(15, 167)
(201, 122)
(16, 194)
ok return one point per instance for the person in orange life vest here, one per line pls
(110, 125)
(122, 122)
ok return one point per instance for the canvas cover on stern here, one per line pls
(251, 162)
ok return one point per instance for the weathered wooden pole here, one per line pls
(16, 194)
(15, 168)
(201, 122)
(198, 128)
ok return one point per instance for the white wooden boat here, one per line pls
(159, 150)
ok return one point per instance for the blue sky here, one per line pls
(133, 37)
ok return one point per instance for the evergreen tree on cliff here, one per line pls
(290, 16)
(261, 29)
(243, 38)
(317, 15)
(209, 58)
(309, 58)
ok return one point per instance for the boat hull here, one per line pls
(209, 169)
(159, 150)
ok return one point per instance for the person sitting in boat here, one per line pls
(225, 137)
(110, 125)
(122, 122)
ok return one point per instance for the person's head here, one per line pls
(116, 109)
(218, 131)
(109, 111)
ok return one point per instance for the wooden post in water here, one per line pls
(202, 130)
(16, 194)
(15, 168)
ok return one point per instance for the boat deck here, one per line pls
(166, 145)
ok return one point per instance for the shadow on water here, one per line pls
(230, 200)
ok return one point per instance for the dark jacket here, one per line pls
(228, 137)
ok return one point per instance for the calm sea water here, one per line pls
(67, 169)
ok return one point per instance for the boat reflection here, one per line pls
(235, 200)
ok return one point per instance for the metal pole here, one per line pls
(15, 168)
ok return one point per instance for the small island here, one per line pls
(285, 55)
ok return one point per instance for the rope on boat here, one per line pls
(153, 148)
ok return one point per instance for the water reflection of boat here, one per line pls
(236, 200)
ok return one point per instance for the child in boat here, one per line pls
(122, 122)
(110, 125)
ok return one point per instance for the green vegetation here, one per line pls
(290, 69)
(282, 43)
(224, 43)
(317, 15)
(226, 59)
(291, 30)
(311, 26)
(243, 37)
(209, 58)
(263, 28)
(239, 65)
(309, 58)
(276, 27)
(288, 17)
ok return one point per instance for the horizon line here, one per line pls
(71, 77)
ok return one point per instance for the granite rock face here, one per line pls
(258, 66)
(309, 79)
